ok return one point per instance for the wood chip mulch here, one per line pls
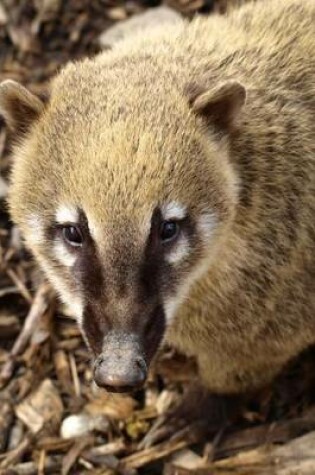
(52, 418)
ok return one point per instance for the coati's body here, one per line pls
(121, 134)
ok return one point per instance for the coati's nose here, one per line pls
(121, 366)
(118, 376)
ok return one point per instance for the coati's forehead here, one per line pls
(122, 176)
(126, 165)
(114, 87)
(118, 148)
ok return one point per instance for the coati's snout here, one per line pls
(121, 366)
(123, 347)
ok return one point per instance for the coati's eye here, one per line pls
(169, 230)
(72, 235)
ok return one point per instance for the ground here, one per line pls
(52, 419)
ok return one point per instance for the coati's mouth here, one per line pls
(122, 389)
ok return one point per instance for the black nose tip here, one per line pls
(118, 377)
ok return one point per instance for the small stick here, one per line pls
(276, 433)
(23, 290)
(38, 308)
(16, 454)
(41, 463)
(75, 377)
(52, 465)
(111, 448)
(139, 459)
(63, 371)
(6, 418)
(8, 290)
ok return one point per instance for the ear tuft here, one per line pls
(220, 106)
(18, 106)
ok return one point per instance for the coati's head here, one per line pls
(123, 189)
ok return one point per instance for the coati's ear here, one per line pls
(18, 106)
(221, 105)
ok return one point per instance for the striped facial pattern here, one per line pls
(135, 283)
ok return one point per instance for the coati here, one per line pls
(167, 189)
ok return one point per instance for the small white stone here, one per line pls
(74, 426)
(137, 24)
(78, 425)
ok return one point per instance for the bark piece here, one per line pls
(42, 409)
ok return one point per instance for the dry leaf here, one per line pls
(42, 409)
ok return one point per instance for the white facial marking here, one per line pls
(64, 256)
(179, 252)
(71, 299)
(206, 224)
(67, 214)
(73, 303)
(35, 234)
(173, 303)
(173, 210)
(95, 231)
(170, 306)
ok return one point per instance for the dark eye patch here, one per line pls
(169, 230)
(164, 233)
(74, 235)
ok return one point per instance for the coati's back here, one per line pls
(261, 285)
(155, 197)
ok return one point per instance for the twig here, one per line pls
(74, 453)
(52, 465)
(139, 459)
(75, 377)
(19, 284)
(111, 448)
(41, 463)
(8, 290)
(279, 432)
(37, 310)
(295, 457)
(15, 455)
(6, 417)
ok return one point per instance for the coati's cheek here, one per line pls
(206, 225)
(189, 258)
(35, 234)
(179, 252)
(48, 256)
(63, 255)
(68, 295)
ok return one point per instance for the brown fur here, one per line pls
(122, 132)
